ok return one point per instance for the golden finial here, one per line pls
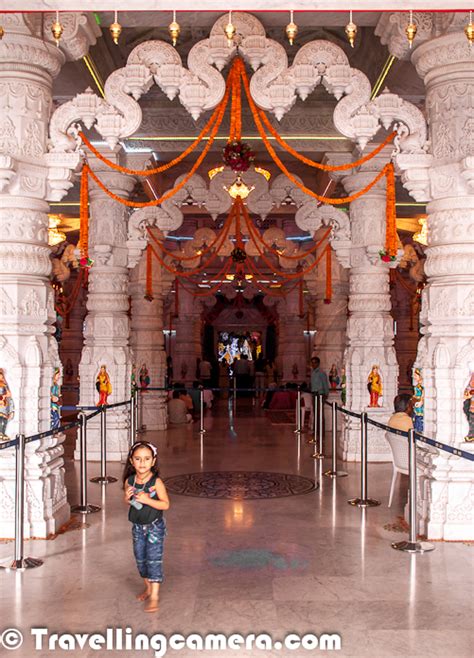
(291, 29)
(57, 29)
(230, 30)
(115, 29)
(351, 30)
(469, 30)
(174, 29)
(411, 29)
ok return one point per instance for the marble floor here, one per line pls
(301, 564)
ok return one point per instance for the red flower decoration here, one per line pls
(238, 156)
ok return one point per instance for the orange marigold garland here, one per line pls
(328, 296)
(391, 218)
(84, 214)
(149, 274)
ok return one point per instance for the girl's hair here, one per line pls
(130, 470)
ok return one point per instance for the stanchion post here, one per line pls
(135, 411)
(234, 397)
(133, 427)
(83, 507)
(333, 472)
(318, 426)
(201, 410)
(315, 421)
(364, 500)
(19, 562)
(412, 545)
(298, 411)
(103, 478)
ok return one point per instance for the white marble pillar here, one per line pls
(446, 351)
(291, 345)
(147, 343)
(444, 176)
(370, 339)
(188, 339)
(107, 326)
(29, 176)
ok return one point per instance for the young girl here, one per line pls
(146, 494)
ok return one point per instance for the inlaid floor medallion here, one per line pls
(239, 485)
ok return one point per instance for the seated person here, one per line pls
(401, 419)
(195, 395)
(184, 395)
(177, 411)
(208, 398)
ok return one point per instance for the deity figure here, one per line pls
(7, 409)
(343, 386)
(55, 394)
(133, 381)
(418, 399)
(103, 385)
(333, 377)
(144, 376)
(374, 386)
(468, 408)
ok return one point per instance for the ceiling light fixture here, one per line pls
(469, 30)
(115, 29)
(411, 30)
(229, 30)
(291, 29)
(57, 29)
(174, 29)
(351, 30)
(239, 188)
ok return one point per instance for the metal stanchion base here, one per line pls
(318, 455)
(311, 441)
(413, 546)
(298, 432)
(335, 474)
(364, 502)
(202, 431)
(106, 480)
(85, 509)
(21, 565)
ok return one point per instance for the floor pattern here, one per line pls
(239, 485)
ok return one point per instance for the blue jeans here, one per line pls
(148, 549)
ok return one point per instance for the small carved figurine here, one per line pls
(55, 400)
(7, 409)
(468, 408)
(103, 385)
(374, 386)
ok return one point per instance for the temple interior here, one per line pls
(238, 244)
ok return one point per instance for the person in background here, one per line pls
(187, 399)
(306, 404)
(401, 419)
(195, 395)
(260, 375)
(177, 410)
(319, 379)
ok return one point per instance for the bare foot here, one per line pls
(146, 593)
(143, 595)
(152, 605)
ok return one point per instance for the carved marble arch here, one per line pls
(274, 87)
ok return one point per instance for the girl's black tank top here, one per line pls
(146, 514)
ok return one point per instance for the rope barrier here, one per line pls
(418, 437)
